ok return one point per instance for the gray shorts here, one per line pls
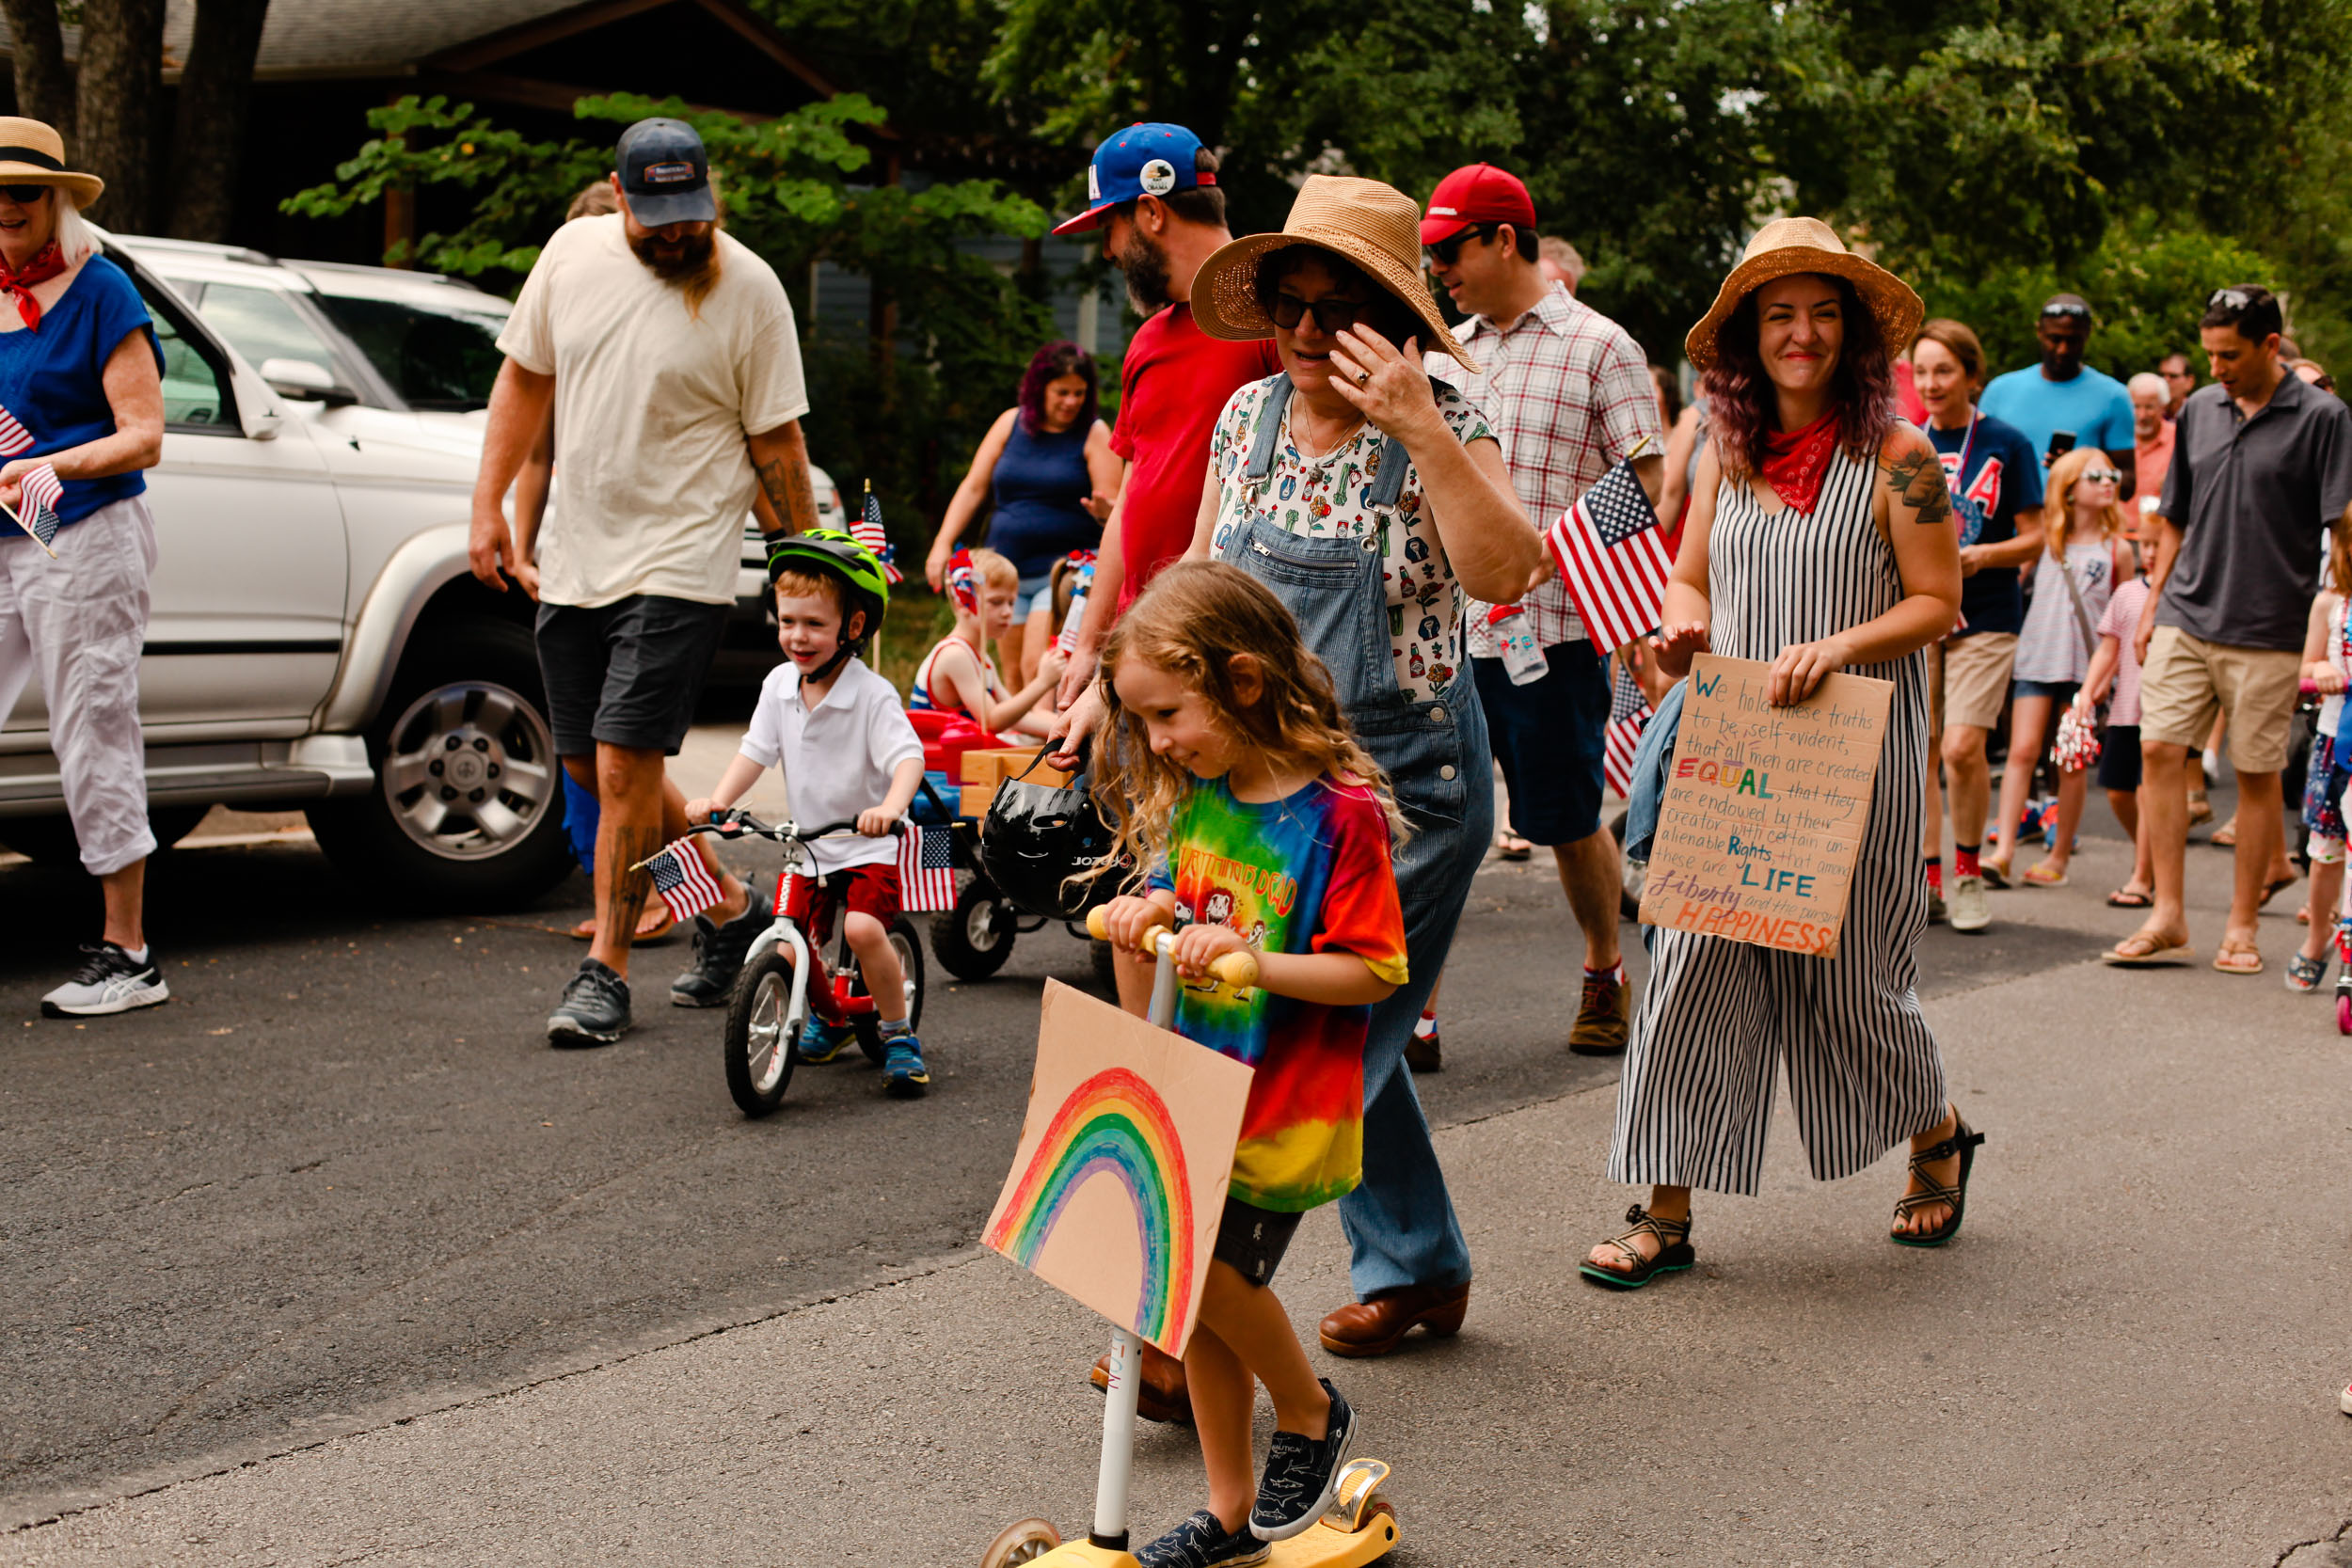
(627, 673)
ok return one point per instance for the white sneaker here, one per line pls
(2343, 1401)
(1968, 910)
(108, 982)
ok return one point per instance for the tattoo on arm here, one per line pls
(1919, 479)
(789, 492)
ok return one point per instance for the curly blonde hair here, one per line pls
(1192, 622)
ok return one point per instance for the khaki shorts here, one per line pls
(1968, 680)
(2186, 682)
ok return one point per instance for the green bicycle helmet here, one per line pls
(829, 552)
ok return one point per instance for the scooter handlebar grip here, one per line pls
(1237, 970)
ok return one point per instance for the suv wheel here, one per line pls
(467, 808)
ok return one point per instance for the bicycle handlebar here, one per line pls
(734, 820)
(1237, 970)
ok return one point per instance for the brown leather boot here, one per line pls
(1378, 1326)
(1604, 1018)
(1162, 1396)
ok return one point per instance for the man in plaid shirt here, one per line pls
(1568, 394)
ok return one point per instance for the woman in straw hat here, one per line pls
(82, 373)
(1819, 538)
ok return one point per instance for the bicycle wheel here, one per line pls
(910, 950)
(762, 1033)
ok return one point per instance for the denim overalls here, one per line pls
(1400, 1223)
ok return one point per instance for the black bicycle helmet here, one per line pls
(1037, 837)
(829, 552)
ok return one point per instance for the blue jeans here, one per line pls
(1399, 1222)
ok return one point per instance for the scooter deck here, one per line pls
(1357, 1528)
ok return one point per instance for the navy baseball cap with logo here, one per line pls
(666, 174)
(1142, 160)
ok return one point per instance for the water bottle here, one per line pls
(1067, 641)
(1515, 634)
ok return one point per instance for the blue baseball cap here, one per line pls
(665, 174)
(1142, 160)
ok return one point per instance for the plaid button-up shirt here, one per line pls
(1567, 393)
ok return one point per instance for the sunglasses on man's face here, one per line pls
(1448, 251)
(24, 196)
(1332, 316)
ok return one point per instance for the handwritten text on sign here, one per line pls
(1765, 807)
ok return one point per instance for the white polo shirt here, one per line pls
(838, 760)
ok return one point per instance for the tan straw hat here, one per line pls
(31, 153)
(1376, 227)
(1786, 246)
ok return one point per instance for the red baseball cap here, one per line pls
(1479, 194)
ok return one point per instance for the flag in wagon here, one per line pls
(685, 883)
(1612, 558)
(868, 531)
(927, 878)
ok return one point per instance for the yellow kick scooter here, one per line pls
(1357, 1527)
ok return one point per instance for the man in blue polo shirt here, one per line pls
(2063, 396)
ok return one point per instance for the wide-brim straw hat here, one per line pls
(1786, 246)
(1376, 227)
(32, 153)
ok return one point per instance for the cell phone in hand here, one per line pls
(2061, 442)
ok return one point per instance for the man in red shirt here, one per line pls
(1151, 191)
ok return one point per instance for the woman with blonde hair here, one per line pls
(2085, 555)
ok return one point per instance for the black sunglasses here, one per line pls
(24, 196)
(1448, 251)
(1332, 316)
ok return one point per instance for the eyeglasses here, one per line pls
(1448, 251)
(1332, 316)
(2102, 476)
(24, 196)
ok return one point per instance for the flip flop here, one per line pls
(2238, 957)
(2225, 837)
(660, 927)
(2129, 898)
(1509, 847)
(2039, 875)
(2150, 953)
(1995, 872)
(2272, 889)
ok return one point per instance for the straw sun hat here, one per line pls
(31, 153)
(1375, 226)
(1790, 246)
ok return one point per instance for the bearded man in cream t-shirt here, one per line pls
(682, 395)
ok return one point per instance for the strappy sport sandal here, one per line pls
(1673, 1251)
(1964, 1143)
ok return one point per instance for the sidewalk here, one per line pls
(2131, 1355)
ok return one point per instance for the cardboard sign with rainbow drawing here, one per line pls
(1119, 1179)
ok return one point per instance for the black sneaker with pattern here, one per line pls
(718, 953)
(1204, 1541)
(1301, 1473)
(594, 1010)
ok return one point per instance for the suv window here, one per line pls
(196, 386)
(437, 360)
(263, 324)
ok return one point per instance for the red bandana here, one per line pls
(1796, 461)
(47, 263)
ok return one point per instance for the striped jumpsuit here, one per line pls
(1863, 1071)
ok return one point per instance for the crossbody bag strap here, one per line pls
(2082, 615)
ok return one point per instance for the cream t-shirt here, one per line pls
(652, 478)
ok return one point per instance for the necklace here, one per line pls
(1302, 427)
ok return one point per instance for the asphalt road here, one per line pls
(340, 1180)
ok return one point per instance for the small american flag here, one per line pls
(37, 506)
(1629, 715)
(15, 440)
(868, 531)
(684, 883)
(1612, 559)
(926, 878)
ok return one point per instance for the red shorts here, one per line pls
(813, 902)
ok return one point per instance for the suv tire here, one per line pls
(48, 840)
(468, 807)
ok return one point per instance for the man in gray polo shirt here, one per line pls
(2262, 466)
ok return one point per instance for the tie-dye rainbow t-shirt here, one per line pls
(1308, 874)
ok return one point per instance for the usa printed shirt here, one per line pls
(1325, 497)
(1308, 874)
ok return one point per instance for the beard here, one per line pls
(1146, 266)
(682, 260)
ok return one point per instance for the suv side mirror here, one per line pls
(305, 379)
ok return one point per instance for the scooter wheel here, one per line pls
(2343, 1015)
(1025, 1542)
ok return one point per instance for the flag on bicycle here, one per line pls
(868, 531)
(38, 495)
(15, 440)
(926, 879)
(1612, 557)
(685, 883)
(1628, 716)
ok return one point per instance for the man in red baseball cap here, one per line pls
(1481, 194)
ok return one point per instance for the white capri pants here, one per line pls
(81, 621)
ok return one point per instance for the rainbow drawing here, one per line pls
(1112, 1123)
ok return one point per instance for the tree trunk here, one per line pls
(215, 89)
(44, 88)
(122, 55)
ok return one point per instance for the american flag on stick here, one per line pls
(39, 493)
(868, 531)
(1629, 715)
(927, 880)
(684, 883)
(1611, 556)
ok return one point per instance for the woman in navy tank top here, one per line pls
(1047, 469)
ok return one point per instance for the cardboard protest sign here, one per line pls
(1120, 1178)
(1765, 807)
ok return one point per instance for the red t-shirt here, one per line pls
(1175, 383)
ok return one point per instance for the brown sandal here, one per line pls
(1673, 1252)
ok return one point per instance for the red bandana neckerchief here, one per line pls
(47, 263)
(1796, 461)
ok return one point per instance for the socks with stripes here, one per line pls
(1427, 1025)
(1935, 875)
(891, 1028)
(1964, 860)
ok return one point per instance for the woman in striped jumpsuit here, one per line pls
(1819, 538)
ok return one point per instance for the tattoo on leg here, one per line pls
(790, 492)
(631, 843)
(1919, 481)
